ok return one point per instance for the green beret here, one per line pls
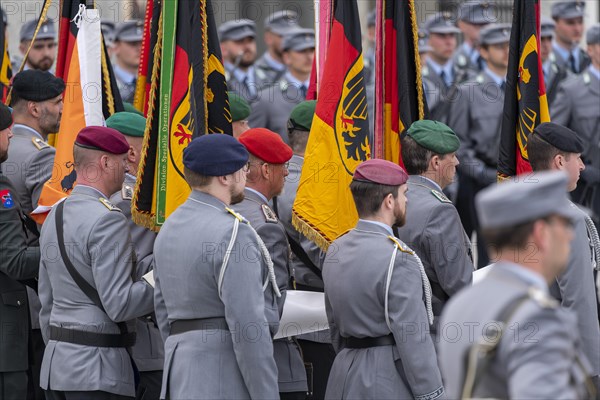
(434, 136)
(129, 124)
(302, 116)
(130, 108)
(240, 109)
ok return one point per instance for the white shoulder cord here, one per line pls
(594, 242)
(236, 226)
(425, 280)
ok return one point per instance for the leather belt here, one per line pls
(364, 343)
(200, 324)
(92, 339)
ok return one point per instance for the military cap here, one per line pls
(266, 145)
(441, 22)
(547, 27)
(568, 9)
(103, 139)
(495, 34)
(560, 137)
(434, 136)
(280, 22)
(129, 124)
(36, 85)
(237, 30)
(298, 40)
(382, 172)
(108, 28)
(477, 13)
(47, 30)
(130, 31)
(302, 116)
(593, 34)
(215, 155)
(508, 204)
(130, 108)
(5, 117)
(424, 46)
(240, 108)
(371, 18)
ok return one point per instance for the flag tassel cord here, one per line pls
(310, 232)
(415, 35)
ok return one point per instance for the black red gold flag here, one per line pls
(5, 66)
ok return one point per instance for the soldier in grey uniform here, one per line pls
(269, 157)
(87, 287)
(476, 117)
(277, 25)
(19, 263)
(127, 49)
(369, 53)
(506, 337)
(148, 351)
(568, 16)
(240, 111)
(554, 147)
(554, 74)
(380, 331)
(43, 52)
(276, 102)
(577, 107)
(433, 228)
(238, 48)
(472, 17)
(209, 284)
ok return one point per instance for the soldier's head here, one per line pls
(277, 25)
(6, 122)
(299, 125)
(379, 191)
(100, 158)
(429, 149)
(43, 52)
(593, 44)
(424, 47)
(108, 29)
(494, 49)
(127, 46)
(371, 26)
(132, 126)
(529, 216)
(568, 16)
(473, 16)
(546, 35)
(298, 52)
(238, 42)
(217, 164)
(442, 37)
(240, 111)
(269, 158)
(554, 147)
(37, 100)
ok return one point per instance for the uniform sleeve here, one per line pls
(110, 251)
(273, 235)
(160, 308)
(409, 322)
(334, 332)
(259, 117)
(46, 300)
(243, 300)
(38, 173)
(561, 107)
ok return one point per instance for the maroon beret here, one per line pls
(103, 139)
(266, 145)
(380, 171)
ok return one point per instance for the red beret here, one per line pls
(266, 145)
(380, 171)
(103, 139)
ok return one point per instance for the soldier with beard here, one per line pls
(43, 52)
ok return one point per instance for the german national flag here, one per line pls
(339, 138)
(399, 89)
(187, 99)
(525, 103)
(5, 66)
(142, 89)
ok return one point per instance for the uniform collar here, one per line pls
(565, 53)
(123, 75)
(129, 178)
(499, 80)
(420, 179)
(296, 82)
(88, 190)
(447, 68)
(246, 77)
(594, 71)
(207, 199)
(528, 276)
(367, 224)
(29, 129)
(274, 64)
(256, 193)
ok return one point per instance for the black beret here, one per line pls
(215, 155)
(36, 85)
(560, 137)
(5, 117)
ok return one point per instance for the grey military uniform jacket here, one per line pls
(274, 106)
(584, 60)
(539, 352)
(555, 75)
(99, 245)
(148, 351)
(355, 277)
(434, 231)
(271, 74)
(291, 372)
(251, 95)
(191, 284)
(463, 62)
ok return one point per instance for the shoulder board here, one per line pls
(440, 196)
(399, 245)
(461, 60)
(541, 298)
(127, 192)
(270, 215)
(586, 78)
(236, 215)
(108, 204)
(39, 143)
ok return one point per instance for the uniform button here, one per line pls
(18, 302)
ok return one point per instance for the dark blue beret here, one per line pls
(560, 137)
(215, 155)
(36, 85)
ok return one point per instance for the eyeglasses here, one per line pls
(286, 165)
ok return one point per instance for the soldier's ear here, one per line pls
(34, 109)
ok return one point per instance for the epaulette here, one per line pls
(127, 192)
(270, 215)
(541, 298)
(236, 215)
(440, 196)
(39, 143)
(399, 244)
(108, 204)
